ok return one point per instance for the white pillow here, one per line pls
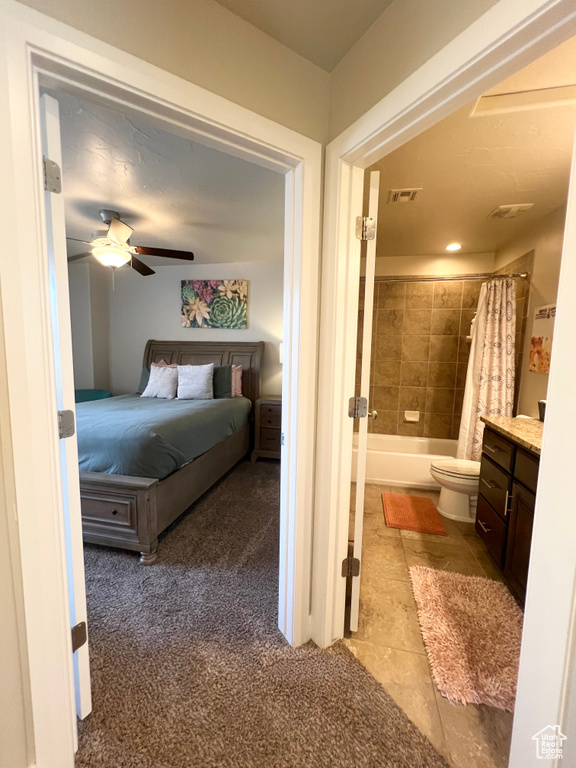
(162, 383)
(196, 382)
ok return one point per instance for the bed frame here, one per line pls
(130, 512)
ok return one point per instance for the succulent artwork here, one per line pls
(214, 304)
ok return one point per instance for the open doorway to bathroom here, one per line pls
(493, 179)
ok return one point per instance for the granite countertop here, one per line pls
(524, 432)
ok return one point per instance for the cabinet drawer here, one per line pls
(499, 449)
(118, 512)
(526, 469)
(270, 440)
(491, 529)
(494, 486)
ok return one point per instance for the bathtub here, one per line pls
(403, 461)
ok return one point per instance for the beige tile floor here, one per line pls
(389, 642)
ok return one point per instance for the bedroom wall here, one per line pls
(89, 287)
(149, 308)
(545, 239)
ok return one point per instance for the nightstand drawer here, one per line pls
(272, 420)
(270, 409)
(270, 439)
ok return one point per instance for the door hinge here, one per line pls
(350, 567)
(66, 426)
(52, 176)
(358, 407)
(365, 228)
(79, 636)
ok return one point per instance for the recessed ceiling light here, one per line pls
(454, 247)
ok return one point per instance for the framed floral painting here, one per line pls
(214, 304)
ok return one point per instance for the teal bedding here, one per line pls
(149, 437)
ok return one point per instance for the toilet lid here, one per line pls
(457, 467)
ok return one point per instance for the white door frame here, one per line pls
(510, 35)
(31, 43)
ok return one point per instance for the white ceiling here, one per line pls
(467, 166)
(174, 193)
(320, 30)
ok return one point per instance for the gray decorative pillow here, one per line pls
(162, 383)
(195, 382)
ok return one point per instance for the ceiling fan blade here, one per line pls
(75, 239)
(119, 232)
(142, 250)
(140, 267)
(79, 256)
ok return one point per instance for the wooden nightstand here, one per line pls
(268, 428)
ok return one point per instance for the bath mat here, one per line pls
(472, 629)
(412, 513)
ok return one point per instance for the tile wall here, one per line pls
(420, 354)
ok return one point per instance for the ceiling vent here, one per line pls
(403, 195)
(510, 211)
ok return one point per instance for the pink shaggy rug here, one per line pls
(472, 630)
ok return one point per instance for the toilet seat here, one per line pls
(457, 468)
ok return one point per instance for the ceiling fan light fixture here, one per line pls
(112, 256)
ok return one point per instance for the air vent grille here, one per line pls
(403, 195)
(510, 211)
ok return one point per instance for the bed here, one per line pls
(190, 445)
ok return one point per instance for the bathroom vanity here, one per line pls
(508, 480)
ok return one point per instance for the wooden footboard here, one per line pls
(130, 512)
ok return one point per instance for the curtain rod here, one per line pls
(445, 277)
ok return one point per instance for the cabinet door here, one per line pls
(519, 539)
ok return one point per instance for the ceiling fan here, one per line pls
(112, 246)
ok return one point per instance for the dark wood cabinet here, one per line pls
(268, 428)
(505, 511)
(519, 539)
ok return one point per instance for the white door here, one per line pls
(364, 393)
(62, 333)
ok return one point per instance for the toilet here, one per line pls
(459, 479)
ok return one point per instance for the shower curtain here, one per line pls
(491, 368)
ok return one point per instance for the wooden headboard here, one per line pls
(247, 354)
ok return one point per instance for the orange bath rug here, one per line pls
(412, 513)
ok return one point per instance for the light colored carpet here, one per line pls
(412, 513)
(472, 630)
(190, 670)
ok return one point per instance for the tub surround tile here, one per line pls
(445, 322)
(386, 373)
(385, 424)
(458, 401)
(390, 321)
(461, 371)
(415, 348)
(413, 374)
(438, 425)
(417, 321)
(439, 401)
(419, 295)
(412, 399)
(443, 349)
(448, 294)
(471, 293)
(385, 398)
(387, 347)
(411, 428)
(442, 375)
(465, 321)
